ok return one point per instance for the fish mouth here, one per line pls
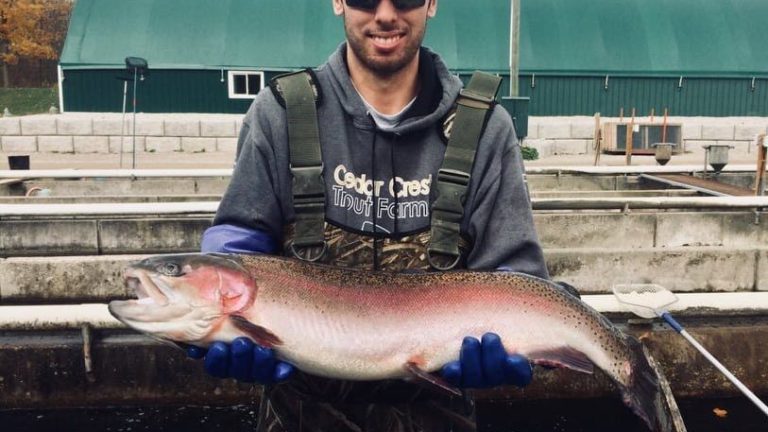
(149, 290)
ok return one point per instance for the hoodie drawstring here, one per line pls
(375, 205)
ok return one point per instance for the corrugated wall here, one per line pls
(162, 91)
(716, 97)
(202, 91)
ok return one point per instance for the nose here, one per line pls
(386, 11)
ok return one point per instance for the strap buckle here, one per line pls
(308, 185)
(311, 253)
(449, 263)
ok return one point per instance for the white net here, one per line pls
(645, 300)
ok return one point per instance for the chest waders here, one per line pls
(308, 403)
(299, 94)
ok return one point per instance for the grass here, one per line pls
(530, 153)
(24, 101)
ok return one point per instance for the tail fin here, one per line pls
(644, 394)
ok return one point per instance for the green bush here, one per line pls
(24, 101)
(530, 153)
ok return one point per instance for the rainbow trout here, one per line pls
(362, 325)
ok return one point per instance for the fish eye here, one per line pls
(170, 269)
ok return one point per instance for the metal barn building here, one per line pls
(577, 57)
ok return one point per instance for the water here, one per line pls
(590, 415)
(610, 415)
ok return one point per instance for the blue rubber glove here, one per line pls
(486, 364)
(244, 361)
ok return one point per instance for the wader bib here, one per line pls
(309, 403)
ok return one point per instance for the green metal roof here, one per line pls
(267, 34)
(558, 37)
(645, 37)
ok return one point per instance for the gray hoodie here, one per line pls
(381, 184)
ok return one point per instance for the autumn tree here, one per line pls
(32, 29)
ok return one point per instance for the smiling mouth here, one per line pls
(385, 40)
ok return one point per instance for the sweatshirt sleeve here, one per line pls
(252, 200)
(499, 219)
(227, 238)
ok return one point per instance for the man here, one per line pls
(381, 111)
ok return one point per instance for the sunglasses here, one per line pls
(370, 5)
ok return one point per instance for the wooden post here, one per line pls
(628, 142)
(598, 139)
(664, 127)
(760, 171)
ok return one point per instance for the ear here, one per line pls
(338, 7)
(432, 9)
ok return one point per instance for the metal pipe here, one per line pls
(227, 172)
(749, 202)
(122, 123)
(514, 48)
(85, 330)
(116, 173)
(135, 78)
(98, 209)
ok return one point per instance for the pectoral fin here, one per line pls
(259, 334)
(428, 380)
(565, 357)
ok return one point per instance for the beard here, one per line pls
(384, 65)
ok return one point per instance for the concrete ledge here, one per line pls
(94, 237)
(66, 237)
(679, 269)
(155, 225)
(81, 279)
(127, 186)
(596, 230)
(151, 236)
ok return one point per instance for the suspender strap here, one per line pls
(473, 105)
(306, 165)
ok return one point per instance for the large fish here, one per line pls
(362, 325)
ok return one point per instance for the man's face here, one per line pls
(385, 40)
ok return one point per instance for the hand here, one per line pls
(244, 361)
(486, 364)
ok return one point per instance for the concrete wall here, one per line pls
(101, 133)
(575, 135)
(77, 259)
